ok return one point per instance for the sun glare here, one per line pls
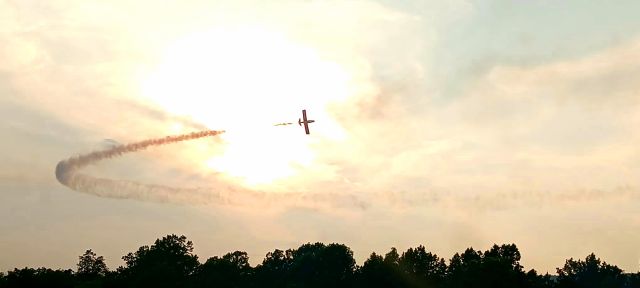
(244, 80)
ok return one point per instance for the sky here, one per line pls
(449, 124)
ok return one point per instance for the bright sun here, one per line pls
(244, 80)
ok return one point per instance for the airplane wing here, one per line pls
(304, 120)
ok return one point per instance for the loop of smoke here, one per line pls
(67, 174)
(65, 170)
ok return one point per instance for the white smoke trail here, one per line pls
(67, 174)
(65, 170)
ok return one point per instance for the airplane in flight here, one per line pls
(305, 121)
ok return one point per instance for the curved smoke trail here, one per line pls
(65, 170)
(67, 174)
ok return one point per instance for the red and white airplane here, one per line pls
(305, 121)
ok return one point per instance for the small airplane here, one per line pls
(305, 121)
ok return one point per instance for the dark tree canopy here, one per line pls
(231, 270)
(392, 257)
(422, 268)
(170, 262)
(319, 265)
(166, 263)
(91, 265)
(372, 272)
(382, 272)
(41, 277)
(274, 270)
(496, 267)
(590, 273)
(277, 261)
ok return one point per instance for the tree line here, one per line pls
(170, 262)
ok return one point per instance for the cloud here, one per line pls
(558, 124)
(513, 127)
(547, 134)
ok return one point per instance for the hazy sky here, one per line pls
(444, 123)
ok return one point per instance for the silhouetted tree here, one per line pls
(415, 268)
(166, 263)
(372, 273)
(317, 265)
(464, 269)
(392, 257)
(590, 273)
(533, 280)
(501, 266)
(91, 266)
(170, 262)
(633, 280)
(91, 270)
(496, 267)
(41, 277)
(375, 272)
(422, 268)
(275, 268)
(232, 270)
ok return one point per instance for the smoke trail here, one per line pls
(67, 174)
(122, 189)
(66, 169)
